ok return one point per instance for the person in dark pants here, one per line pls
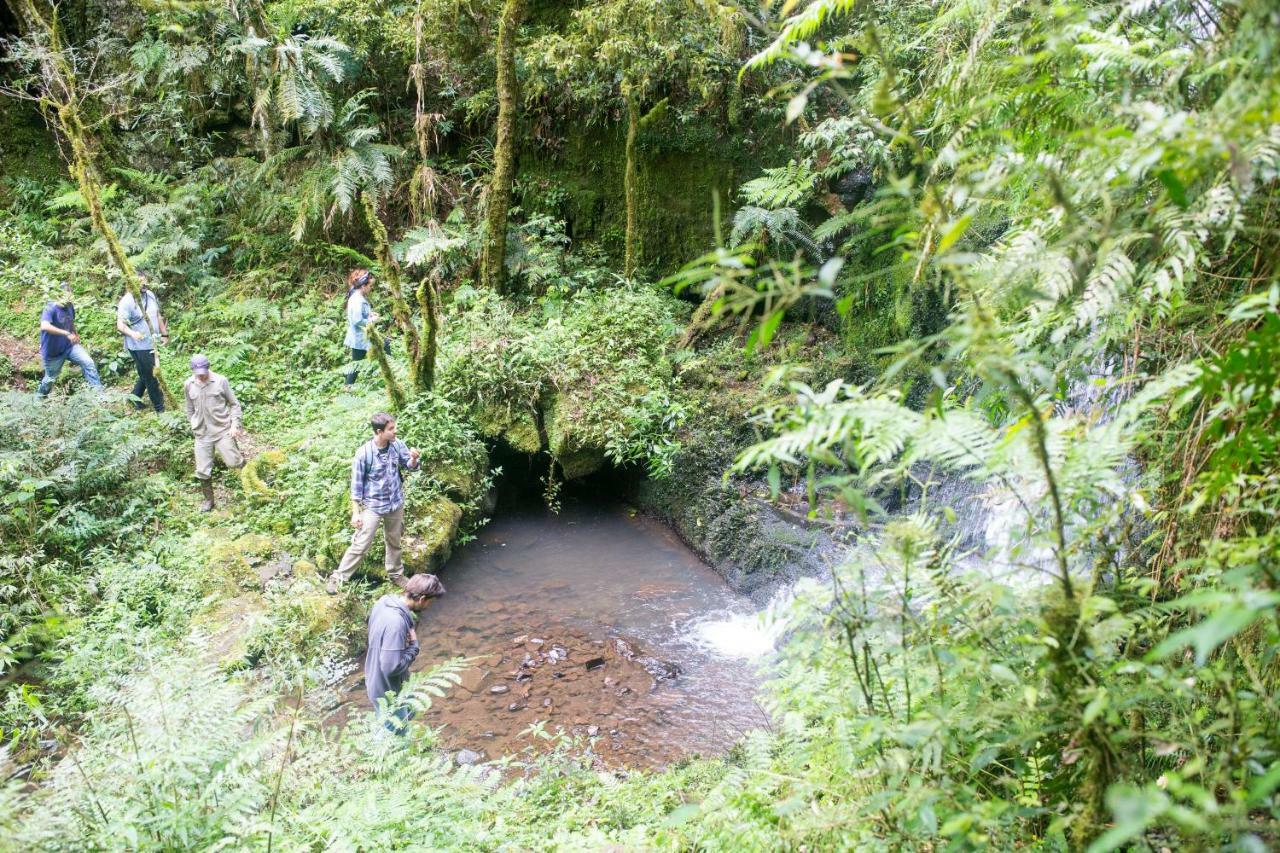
(140, 325)
(359, 315)
(59, 343)
(393, 646)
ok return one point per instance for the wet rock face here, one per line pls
(755, 546)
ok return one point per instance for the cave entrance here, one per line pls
(522, 485)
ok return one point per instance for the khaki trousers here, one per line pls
(227, 448)
(392, 529)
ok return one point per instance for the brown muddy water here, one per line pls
(596, 622)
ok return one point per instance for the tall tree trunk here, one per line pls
(493, 268)
(60, 103)
(399, 306)
(629, 187)
(428, 304)
(377, 346)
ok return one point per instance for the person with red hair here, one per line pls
(359, 315)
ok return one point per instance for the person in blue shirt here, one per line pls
(141, 325)
(359, 316)
(393, 646)
(377, 499)
(59, 343)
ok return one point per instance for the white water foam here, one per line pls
(737, 634)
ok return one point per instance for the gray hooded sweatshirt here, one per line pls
(387, 662)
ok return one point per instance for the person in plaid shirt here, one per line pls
(377, 498)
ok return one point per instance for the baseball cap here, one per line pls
(200, 365)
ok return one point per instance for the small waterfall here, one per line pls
(743, 634)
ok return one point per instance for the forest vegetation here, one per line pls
(900, 265)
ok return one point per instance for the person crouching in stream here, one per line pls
(377, 498)
(214, 414)
(393, 646)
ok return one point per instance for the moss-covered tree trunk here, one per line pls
(493, 268)
(60, 103)
(629, 187)
(428, 304)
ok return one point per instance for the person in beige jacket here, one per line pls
(214, 413)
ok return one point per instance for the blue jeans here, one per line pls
(395, 718)
(78, 356)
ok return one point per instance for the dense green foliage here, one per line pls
(1006, 290)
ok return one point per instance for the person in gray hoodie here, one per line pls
(393, 644)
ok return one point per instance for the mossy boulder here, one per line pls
(229, 625)
(517, 427)
(462, 479)
(430, 530)
(577, 456)
(234, 563)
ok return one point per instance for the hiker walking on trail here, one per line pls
(140, 325)
(59, 343)
(359, 315)
(393, 644)
(215, 416)
(377, 498)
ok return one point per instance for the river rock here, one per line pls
(592, 731)
(471, 680)
(661, 670)
(466, 757)
(515, 706)
(499, 689)
(594, 663)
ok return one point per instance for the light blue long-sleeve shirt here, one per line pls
(358, 312)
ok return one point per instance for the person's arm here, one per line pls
(358, 483)
(122, 325)
(46, 326)
(163, 329)
(237, 414)
(407, 656)
(410, 460)
(191, 404)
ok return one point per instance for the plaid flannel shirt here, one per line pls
(376, 477)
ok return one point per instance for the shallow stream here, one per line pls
(600, 623)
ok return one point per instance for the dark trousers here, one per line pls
(144, 361)
(356, 355)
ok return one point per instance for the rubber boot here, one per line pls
(206, 489)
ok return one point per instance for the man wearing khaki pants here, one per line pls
(377, 498)
(214, 414)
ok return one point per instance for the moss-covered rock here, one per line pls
(516, 426)
(430, 530)
(233, 563)
(254, 473)
(577, 457)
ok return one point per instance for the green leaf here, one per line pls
(681, 814)
(1206, 636)
(954, 233)
(763, 334)
(1096, 706)
(1173, 186)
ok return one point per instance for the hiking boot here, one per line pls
(206, 489)
(399, 580)
(332, 586)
